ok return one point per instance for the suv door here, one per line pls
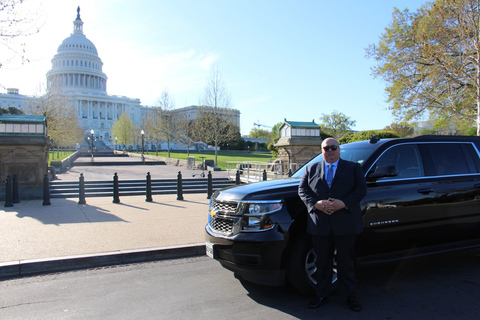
(397, 210)
(453, 171)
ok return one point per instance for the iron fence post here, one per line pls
(81, 189)
(116, 196)
(179, 186)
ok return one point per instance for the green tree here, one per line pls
(124, 130)
(11, 110)
(430, 62)
(402, 129)
(366, 135)
(337, 123)
(274, 136)
(62, 120)
(257, 133)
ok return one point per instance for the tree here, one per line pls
(167, 130)
(62, 120)
(16, 22)
(337, 123)
(124, 130)
(366, 135)
(215, 96)
(430, 61)
(10, 110)
(402, 129)
(257, 133)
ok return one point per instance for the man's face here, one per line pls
(330, 155)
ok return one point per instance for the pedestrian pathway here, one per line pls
(99, 229)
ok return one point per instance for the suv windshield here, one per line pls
(355, 151)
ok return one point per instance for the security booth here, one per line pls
(24, 147)
(299, 142)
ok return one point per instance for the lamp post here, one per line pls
(143, 147)
(115, 144)
(91, 140)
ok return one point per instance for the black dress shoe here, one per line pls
(354, 304)
(317, 302)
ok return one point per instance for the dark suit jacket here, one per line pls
(348, 185)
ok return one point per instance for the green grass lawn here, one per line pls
(222, 157)
(58, 156)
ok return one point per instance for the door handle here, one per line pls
(425, 191)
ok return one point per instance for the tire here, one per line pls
(301, 270)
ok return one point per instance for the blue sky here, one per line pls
(279, 59)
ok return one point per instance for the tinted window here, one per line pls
(444, 159)
(356, 152)
(406, 158)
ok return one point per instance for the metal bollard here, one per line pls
(149, 188)
(237, 177)
(81, 189)
(264, 175)
(209, 185)
(116, 196)
(179, 186)
(16, 198)
(46, 190)
(8, 192)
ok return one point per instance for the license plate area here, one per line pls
(209, 249)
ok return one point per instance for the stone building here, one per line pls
(299, 141)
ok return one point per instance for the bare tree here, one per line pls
(16, 23)
(216, 96)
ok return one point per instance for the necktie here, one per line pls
(329, 176)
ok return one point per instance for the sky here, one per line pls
(278, 59)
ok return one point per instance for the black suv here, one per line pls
(423, 198)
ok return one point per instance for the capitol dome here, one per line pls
(77, 66)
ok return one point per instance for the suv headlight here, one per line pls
(256, 214)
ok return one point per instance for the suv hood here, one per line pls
(264, 190)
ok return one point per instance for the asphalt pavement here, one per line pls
(65, 235)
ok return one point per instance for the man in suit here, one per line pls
(332, 190)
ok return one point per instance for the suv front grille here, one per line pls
(225, 217)
(225, 207)
(221, 224)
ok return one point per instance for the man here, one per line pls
(332, 190)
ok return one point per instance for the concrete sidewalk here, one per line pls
(65, 235)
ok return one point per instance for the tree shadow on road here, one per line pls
(66, 211)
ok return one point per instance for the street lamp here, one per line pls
(115, 143)
(143, 140)
(91, 140)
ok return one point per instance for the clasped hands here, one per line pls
(330, 205)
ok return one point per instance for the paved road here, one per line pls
(439, 287)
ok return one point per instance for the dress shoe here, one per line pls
(354, 304)
(317, 302)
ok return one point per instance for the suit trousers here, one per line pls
(324, 247)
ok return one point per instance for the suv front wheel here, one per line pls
(301, 271)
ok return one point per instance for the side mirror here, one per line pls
(382, 172)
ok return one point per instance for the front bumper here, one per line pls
(254, 256)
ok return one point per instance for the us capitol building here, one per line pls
(77, 71)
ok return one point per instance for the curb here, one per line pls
(85, 261)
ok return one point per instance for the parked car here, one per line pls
(423, 198)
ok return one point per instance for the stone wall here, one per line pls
(27, 158)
